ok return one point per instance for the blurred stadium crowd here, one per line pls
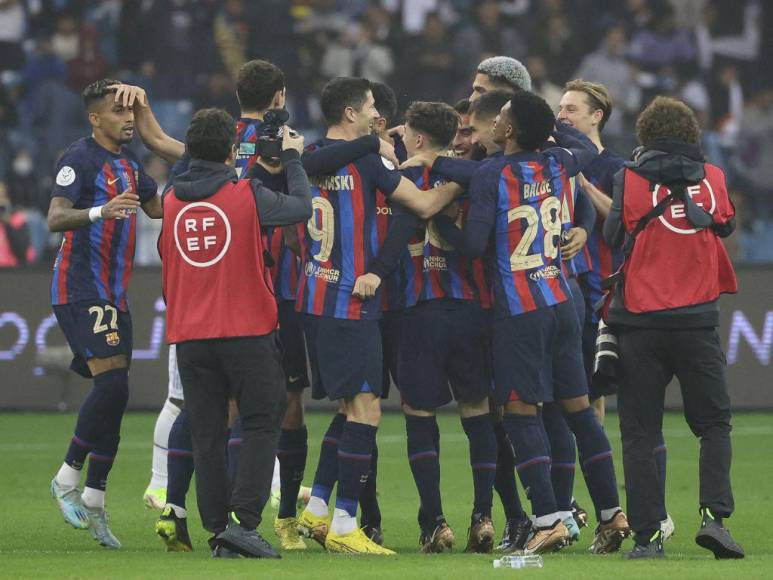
(713, 54)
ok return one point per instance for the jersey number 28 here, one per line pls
(550, 215)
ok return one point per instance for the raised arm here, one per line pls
(151, 133)
(276, 208)
(575, 150)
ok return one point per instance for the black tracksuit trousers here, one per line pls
(249, 370)
(649, 358)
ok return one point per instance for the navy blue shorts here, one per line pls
(538, 356)
(577, 298)
(94, 329)
(293, 346)
(389, 325)
(345, 357)
(444, 354)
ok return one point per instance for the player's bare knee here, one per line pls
(293, 416)
(364, 408)
(520, 408)
(97, 366)
(408, 410)
(469, 409)
(599, 408)
(575, 405)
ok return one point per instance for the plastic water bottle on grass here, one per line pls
(530, 561)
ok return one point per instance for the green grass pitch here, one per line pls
(35, 541)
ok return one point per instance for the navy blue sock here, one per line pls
(563, 454)
(504, 481)
(661, 456)
(292, 453)
(179, 461)
(425, 466)
(354, 455)
(104, 416)
(90, 425)
(596, 458)
(533, 461)
(483, 460)
(234, 446)
(327, 468)
(370, 510)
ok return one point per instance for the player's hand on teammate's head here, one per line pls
(130, 95)
(387, 151)
(292, 140)
(366, 285)
(121, 206)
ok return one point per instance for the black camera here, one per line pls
(606, 371)
(268, 145)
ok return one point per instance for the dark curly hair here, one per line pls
(532, 118)
(667, 119)
(211, 135)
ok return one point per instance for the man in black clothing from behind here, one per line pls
(665, 313)
(222, 315)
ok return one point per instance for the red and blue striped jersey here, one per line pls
(520, 197)
(604, 261)
(581, 262)
(342, 237)
(402, 287)
(445, 272)
(95, 261)
(246, 144)
(284, 271)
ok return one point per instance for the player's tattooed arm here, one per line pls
(425, 204)
(153, 208)
(151, 133)
(63, 217)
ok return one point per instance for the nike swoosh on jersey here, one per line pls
(112, 181)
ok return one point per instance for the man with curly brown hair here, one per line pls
(669, 209)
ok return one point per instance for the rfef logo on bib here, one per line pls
(675, 216)
(202, 234)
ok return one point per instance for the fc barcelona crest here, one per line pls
(113, 339)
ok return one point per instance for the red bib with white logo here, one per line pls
(673, 264)
(215, 282)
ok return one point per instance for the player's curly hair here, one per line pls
(506, 71)
(533, 120)
(667, 119)
(437, 121)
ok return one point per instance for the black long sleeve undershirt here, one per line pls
(331, 158)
